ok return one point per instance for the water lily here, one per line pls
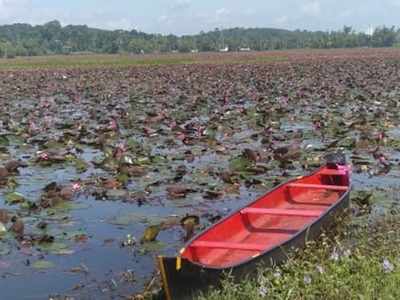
(263, 291)
(320, 269)
(347, 253)
(43, 156)
(76, 187)
(277, 274)
(307, 279)
(335, 255)
(387, 266)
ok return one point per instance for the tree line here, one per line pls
(52, 38)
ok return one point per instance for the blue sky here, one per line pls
(191, 16)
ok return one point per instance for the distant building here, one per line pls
(194, 50)
(244, 49)
(226, 49)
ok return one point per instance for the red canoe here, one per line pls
(262, 232)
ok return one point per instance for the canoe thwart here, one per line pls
(228, 245)
(333, 172)
(318, 186)
(282, 212)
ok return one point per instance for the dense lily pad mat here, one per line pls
(124, 61)
(103, 168)
(365, 265)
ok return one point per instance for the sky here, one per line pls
(192, 16)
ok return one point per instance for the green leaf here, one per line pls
(43, 264)
(133, 218)
(240, 164)
(116, 194)
(123, 178)
(152, 247)
(14, 198)
(4, 141)
(81, 166)
(54, 248)
(3, 229)
(150, 234)
(5, 248)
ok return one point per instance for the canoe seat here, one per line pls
(318, 186)
(333, 172)
(228, 245)
(282, 212)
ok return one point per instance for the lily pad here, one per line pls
(54, 248)
(43, 265)
(116, 194)
(80, 165)
(5, 248)
(128, 219)
(4, 141)
(240, 164)
(133, 218)
(150, 234)
(14, 198)
(3, 229)
(152, 247)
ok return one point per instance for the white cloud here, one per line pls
(221, 17)
(283, 20)
(222, 12)
(13, 9)
(311, 8)
(122, 23)
(165, 20)
(250, 11)
(180, 5)
(346, 13)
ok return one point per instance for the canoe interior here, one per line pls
(269, 221)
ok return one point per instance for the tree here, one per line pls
(52, 38)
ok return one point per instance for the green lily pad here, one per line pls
(123, 178)
(240, 164)
(5, 248)
(70, 235)
(133, 218)
(128, 219)
(53, 145)
(68, 205)
(53, 248)
(65, 207)
(143, 161)
(150, 234)
(3, 229)
(14, 198)
(80, 165)
(4, 141)
(152, 247)
(28, 205)
(43, 264)
(116, 194)
(12, 183)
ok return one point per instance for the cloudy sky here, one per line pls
(192, 16)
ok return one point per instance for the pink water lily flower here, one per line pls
(76, 187)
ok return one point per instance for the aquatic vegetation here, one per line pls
(91, 155)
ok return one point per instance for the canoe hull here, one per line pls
(192, 278)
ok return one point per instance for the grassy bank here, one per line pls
(362, 265)
(109, 61)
